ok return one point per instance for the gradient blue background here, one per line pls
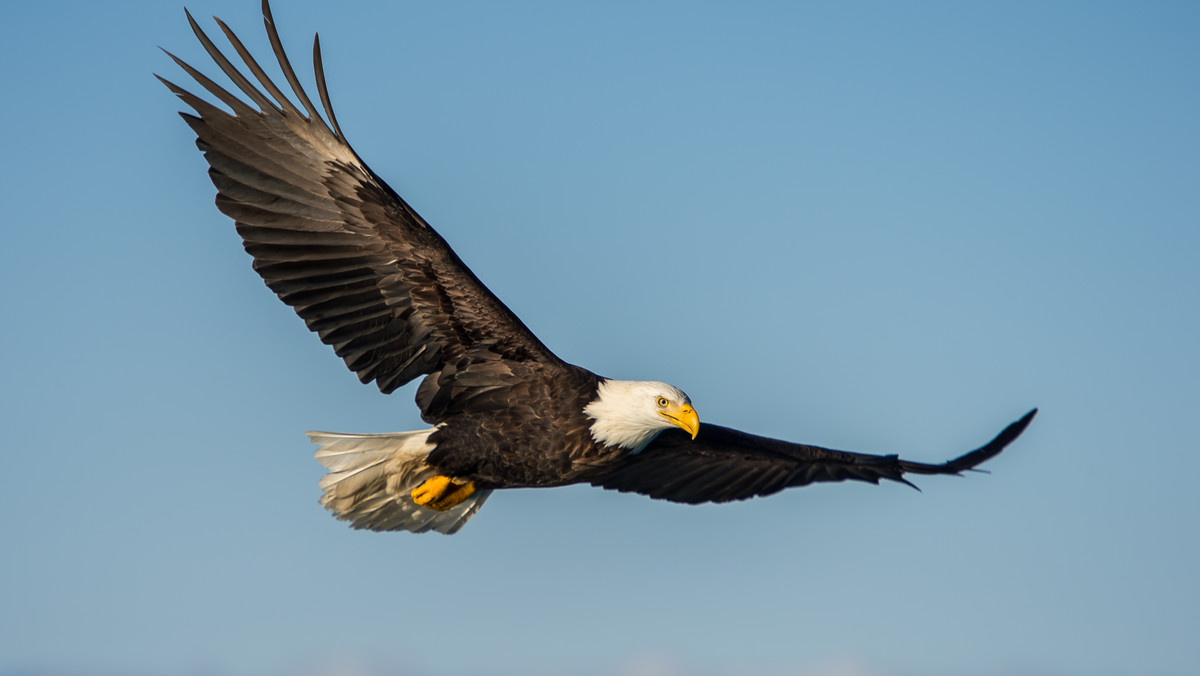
(874, 226)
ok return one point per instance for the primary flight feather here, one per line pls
(379, 285)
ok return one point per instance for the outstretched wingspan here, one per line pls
(358, 264)
(375, 282)
(723, 464)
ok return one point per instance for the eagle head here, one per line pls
(630, 413)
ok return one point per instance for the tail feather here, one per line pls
(371, 477)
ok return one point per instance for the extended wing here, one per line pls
(723, 464)
(363, 270)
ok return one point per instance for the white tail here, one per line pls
(371, 477)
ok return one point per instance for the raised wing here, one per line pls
(723, 464)
(357, 263)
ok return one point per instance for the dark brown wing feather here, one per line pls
(363, 270)
(723, 464)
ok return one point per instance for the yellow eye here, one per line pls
(662, 402)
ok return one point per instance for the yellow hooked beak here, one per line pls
(683, 417)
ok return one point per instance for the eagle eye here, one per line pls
(662, 402)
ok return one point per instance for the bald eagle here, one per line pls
(379, 285)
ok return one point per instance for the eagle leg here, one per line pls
(441, 493)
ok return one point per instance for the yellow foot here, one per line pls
(442, 493)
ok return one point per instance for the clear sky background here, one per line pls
(886, 227)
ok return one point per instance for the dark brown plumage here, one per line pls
(721, 464)
(380, 286)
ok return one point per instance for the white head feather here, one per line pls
(628, 413)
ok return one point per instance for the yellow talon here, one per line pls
(430, 490)
(442, 493)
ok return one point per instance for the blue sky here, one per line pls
(871, 226)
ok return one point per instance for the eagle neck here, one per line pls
(617, 420)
